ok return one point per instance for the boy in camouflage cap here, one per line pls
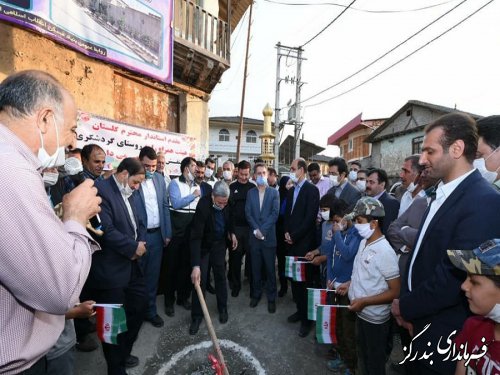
(374, 284)
(482, 289)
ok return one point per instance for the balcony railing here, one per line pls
(196, 26)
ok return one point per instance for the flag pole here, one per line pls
(210, 327)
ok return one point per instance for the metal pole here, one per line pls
(240, 131)
(277, 113)
(298, 124)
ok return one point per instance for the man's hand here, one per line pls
(81, 311)
(288, 239)
(258, 234)
(195, 275)
(317, 260)
(357, 305)
(234, 241)
(140, 251)
(396, 312)
(81, 203)
(167, 241)
(336, 227)
(196, 192)
(343, 288)
(311, 254)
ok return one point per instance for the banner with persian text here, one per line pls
(134, 34)
(121, 140)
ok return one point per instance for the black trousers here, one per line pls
(235, 259)
(134, 300)
(299, 292)
(281, 252)
(178, 271)
(215, 259)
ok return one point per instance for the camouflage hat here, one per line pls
(484, 260)
(367, 206)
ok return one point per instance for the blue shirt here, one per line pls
(341, 251)
(296, 191)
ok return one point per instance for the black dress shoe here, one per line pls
(254, 302)
(235, 293)
(131, 361)
(88, 344)
(195, 326)
(294, 318)
(156, 321)
(210, 289)
(282, 292)
(169, 310)
(223, 317)
(271, 307)
(304, 329)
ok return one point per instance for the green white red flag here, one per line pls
(326, 316)
(289, 261)
(110, 322)
(299, 271)
(315, 297)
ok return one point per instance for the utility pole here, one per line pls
(240, 131)
(277, 126)
(294, 112)
(298, 122)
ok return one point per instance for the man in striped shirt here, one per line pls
(43, 261)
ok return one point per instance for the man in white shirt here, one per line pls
(463, 215)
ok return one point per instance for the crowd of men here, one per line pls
(383, 255)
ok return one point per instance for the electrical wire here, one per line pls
(385, 54)
(359, 9)
(402, 59)
(327, 26)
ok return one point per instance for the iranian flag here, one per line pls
(110, 321)
(289, 261)
(325, 324)
(299, 271)
(315, 297)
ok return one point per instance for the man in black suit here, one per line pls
(376, 182)
(115, 275)
(341, 188)
(300, 234)
(210, 228)
(463, 215)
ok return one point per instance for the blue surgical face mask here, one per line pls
(261, 181)
(149, 175)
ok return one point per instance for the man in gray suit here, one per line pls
(261, 211)
(341, 188)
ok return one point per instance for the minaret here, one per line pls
(267, 138)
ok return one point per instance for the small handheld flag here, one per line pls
(325, 324)
(110, 322)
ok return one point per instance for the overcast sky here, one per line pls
(461, 68)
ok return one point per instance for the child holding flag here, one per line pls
(482, 289)
(374, 284)
(340, 258)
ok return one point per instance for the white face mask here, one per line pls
(125, 189)
(364, 230)
(480, 164)
(411, 188)
(190, 176)
(494, 314)
(50, 178)
(227, 175)
(325, 215)
(353, 175)
(361, 185)
(208, 172)
(55, 160)
(334, 180)
(293, 177)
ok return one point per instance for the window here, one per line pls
(416, 145)
(351, 142)
(223, 135)
(251, 137)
